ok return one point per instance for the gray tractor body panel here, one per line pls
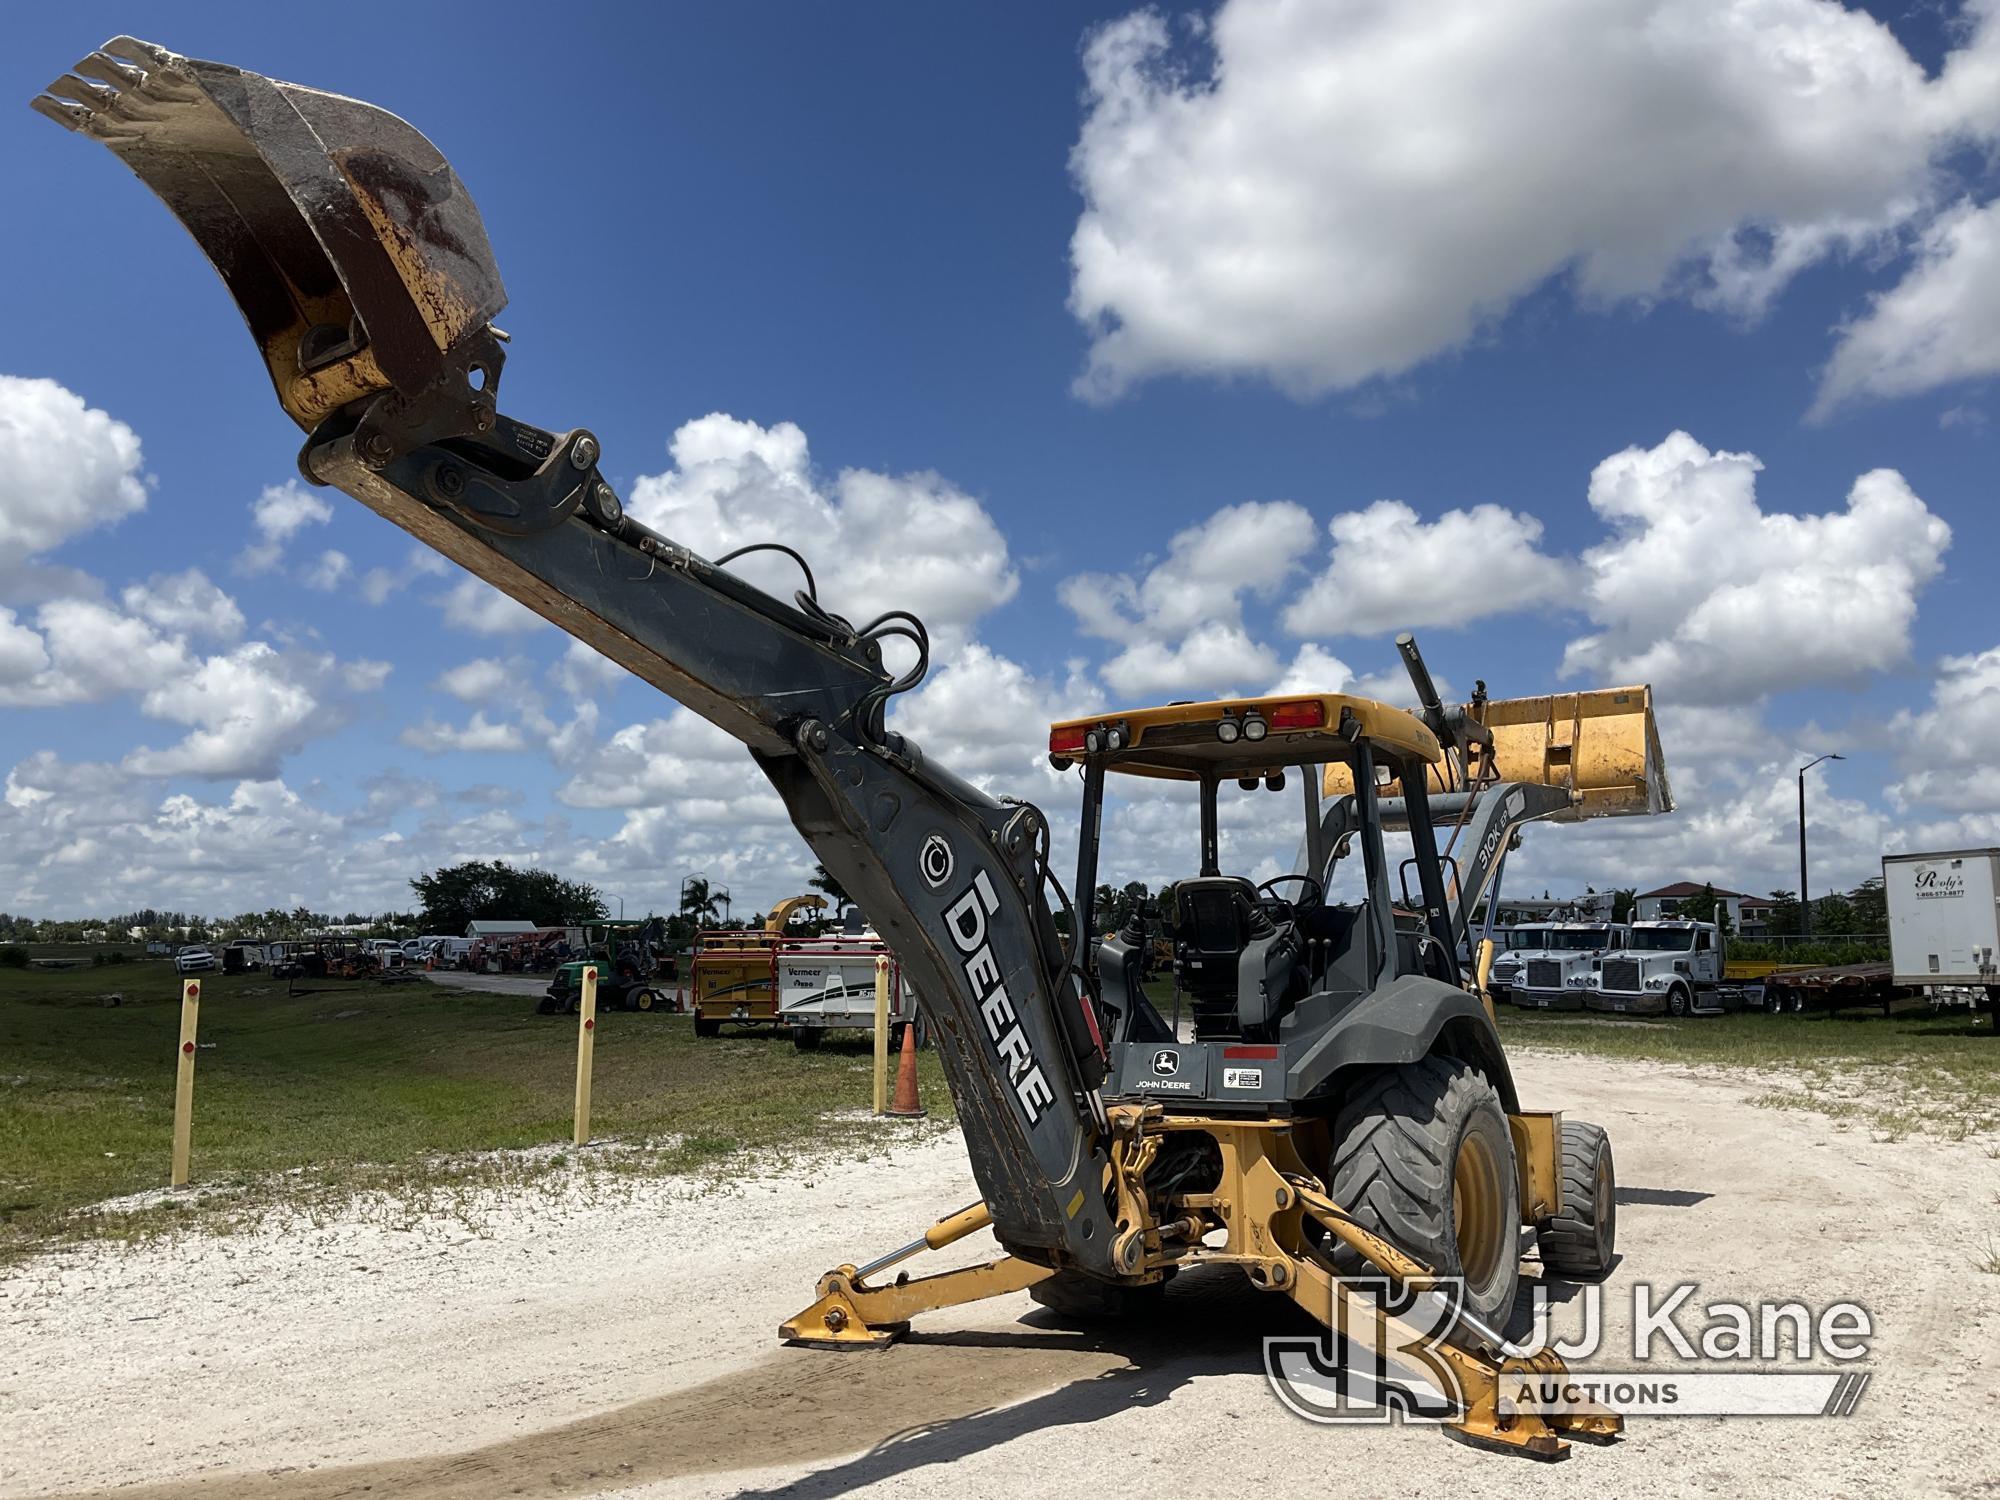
(1324, 1036)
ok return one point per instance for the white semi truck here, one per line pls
(1562, 971)
(1944, 922)
(1515, 946)
(1668, 967)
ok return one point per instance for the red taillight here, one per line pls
(1308, 713)
(1064, 740)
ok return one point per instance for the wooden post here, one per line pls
(184, 1082)
(586, 1036)
(882, 1034)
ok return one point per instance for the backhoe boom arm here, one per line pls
(951, 876)
(363, 271)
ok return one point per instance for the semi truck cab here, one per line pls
(1559, 976)
(1671, 967)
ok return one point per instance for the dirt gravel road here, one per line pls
(491, 984)
(617, 1339)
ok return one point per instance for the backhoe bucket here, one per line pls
(1603, 746)
(357, 258)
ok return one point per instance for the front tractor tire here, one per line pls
(1679, 1003)
(1422, 1156)
(1581, 1242)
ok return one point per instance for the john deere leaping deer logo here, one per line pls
(935, 862)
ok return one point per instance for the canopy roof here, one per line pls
(1184, 741)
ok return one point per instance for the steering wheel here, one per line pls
(1313, 895)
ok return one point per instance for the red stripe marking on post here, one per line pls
(1252, 1054)
(187, 1046)
(591, 1024)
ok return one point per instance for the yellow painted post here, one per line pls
(184, 1082)
(882, 1035)
(586, 1036)
(1485, 974)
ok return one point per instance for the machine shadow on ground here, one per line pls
(932, 1399)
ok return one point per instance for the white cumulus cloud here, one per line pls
(1945, 751)
(474, 604)
(185, 603)
(1181, 621)
(328, 573)
(478, 733)
(1939, 325)
(1392, 570)
(1705, 594)
(64, 468)
(248, 710)
(874, 541)
(1324, 194)
(476, 681)
(280, 513)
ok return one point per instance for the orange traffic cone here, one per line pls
(905, 1105)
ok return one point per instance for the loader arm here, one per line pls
(363, 271)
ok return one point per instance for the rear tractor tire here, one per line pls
(1581, 1242)
(1077, 1299)
(1423, 1156)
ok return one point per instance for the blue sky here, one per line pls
(1463, 285)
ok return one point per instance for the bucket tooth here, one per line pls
(62, 111)
(107, 69)
(93, 96)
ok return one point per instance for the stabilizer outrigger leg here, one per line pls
(1262, 1202)
(851, 1314)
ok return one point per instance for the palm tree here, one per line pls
(823, 882)
(698, 900)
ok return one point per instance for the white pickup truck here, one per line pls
(1564, 969)
(1670, 967)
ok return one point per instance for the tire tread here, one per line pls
(1568, 1240)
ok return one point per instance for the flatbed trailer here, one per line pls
(1830, 988)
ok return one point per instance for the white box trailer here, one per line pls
(1944, 917)
(828, 983)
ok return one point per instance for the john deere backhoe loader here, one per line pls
(1336, 1097)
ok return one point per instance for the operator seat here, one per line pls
(1229, 948)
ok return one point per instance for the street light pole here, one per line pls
(1805, 901)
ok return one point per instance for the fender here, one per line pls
(1401, 1021)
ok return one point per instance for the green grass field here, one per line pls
(373, 1086)
(412, 1089)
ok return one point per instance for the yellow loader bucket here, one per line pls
(355, 254)
(1603, 745)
